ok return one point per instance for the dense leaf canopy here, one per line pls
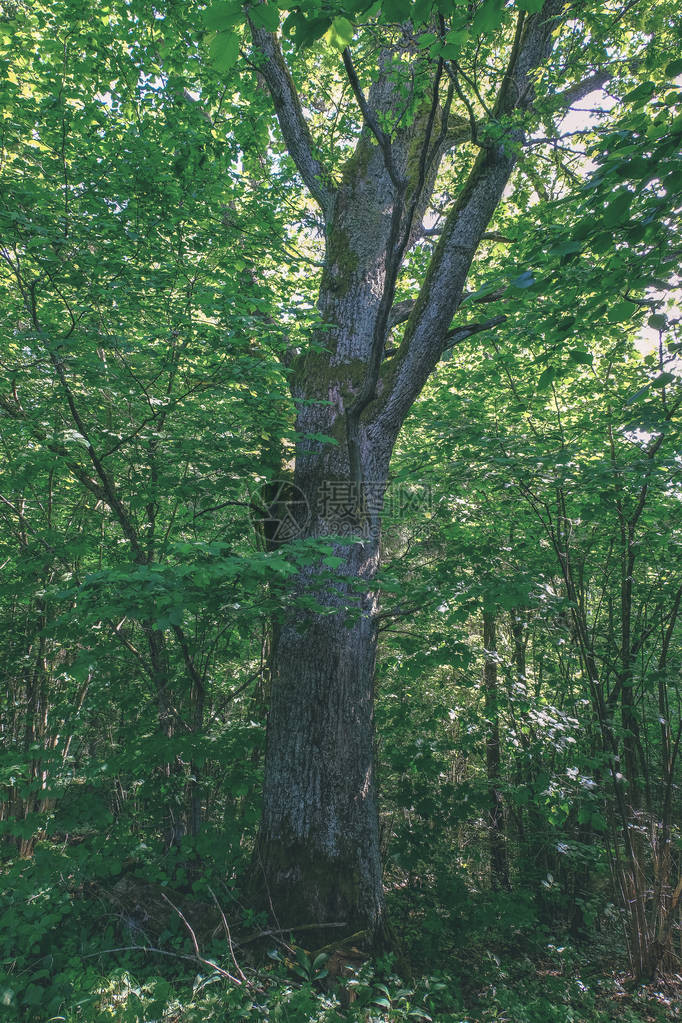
(170, 356)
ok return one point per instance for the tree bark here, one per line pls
(318, 848)
(319, 842)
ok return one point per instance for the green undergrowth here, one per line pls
(509, 992)
(91, 934)
(79, 960)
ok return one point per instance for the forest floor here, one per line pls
(509, 992)
(126, 950)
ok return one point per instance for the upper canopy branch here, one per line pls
(583, 88)
(443, 287)
(290, 116)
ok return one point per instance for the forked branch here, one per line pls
(426, 333)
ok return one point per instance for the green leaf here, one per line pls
(332, 561)
(224, 51)
(524, 280)
(546, 378)
(293, 24)
(580, 356)
(421, 11)
(488, 18)
(642, 94)
(566, 248)
(395, 10)
(451, 51)
(34, 994)
(621, 311)
(674, 68)
(223, 14)
(616, 210)
(658, 321)
(309, 30)
(531, 6)
(265, 16)
(456, 39)
(340, 34)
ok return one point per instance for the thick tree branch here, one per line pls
(581, 89)
(443, 287)
(290, 116)
(400, 312)
(489, 236)
(395, 249)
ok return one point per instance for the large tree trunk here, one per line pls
(319, 848)
(319, 840)
(320, 836)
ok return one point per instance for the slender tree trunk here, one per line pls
(499, 866)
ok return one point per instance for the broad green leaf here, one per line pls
(488, 18)
(580, 356)
(309, 30)
(546, 378)
(457, 38)
(395, 10)
(340, 34)
(663, 379)
(524, 280)
(453, 47)
(224, 50)
(223, 14)
(616, 210)
(566, 248)
(642, 94)
(621, 311)
(421, 11)
(265, 16)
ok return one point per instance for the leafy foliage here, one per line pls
(160, 263)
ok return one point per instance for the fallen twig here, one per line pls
(228, 936)
(197, 952)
